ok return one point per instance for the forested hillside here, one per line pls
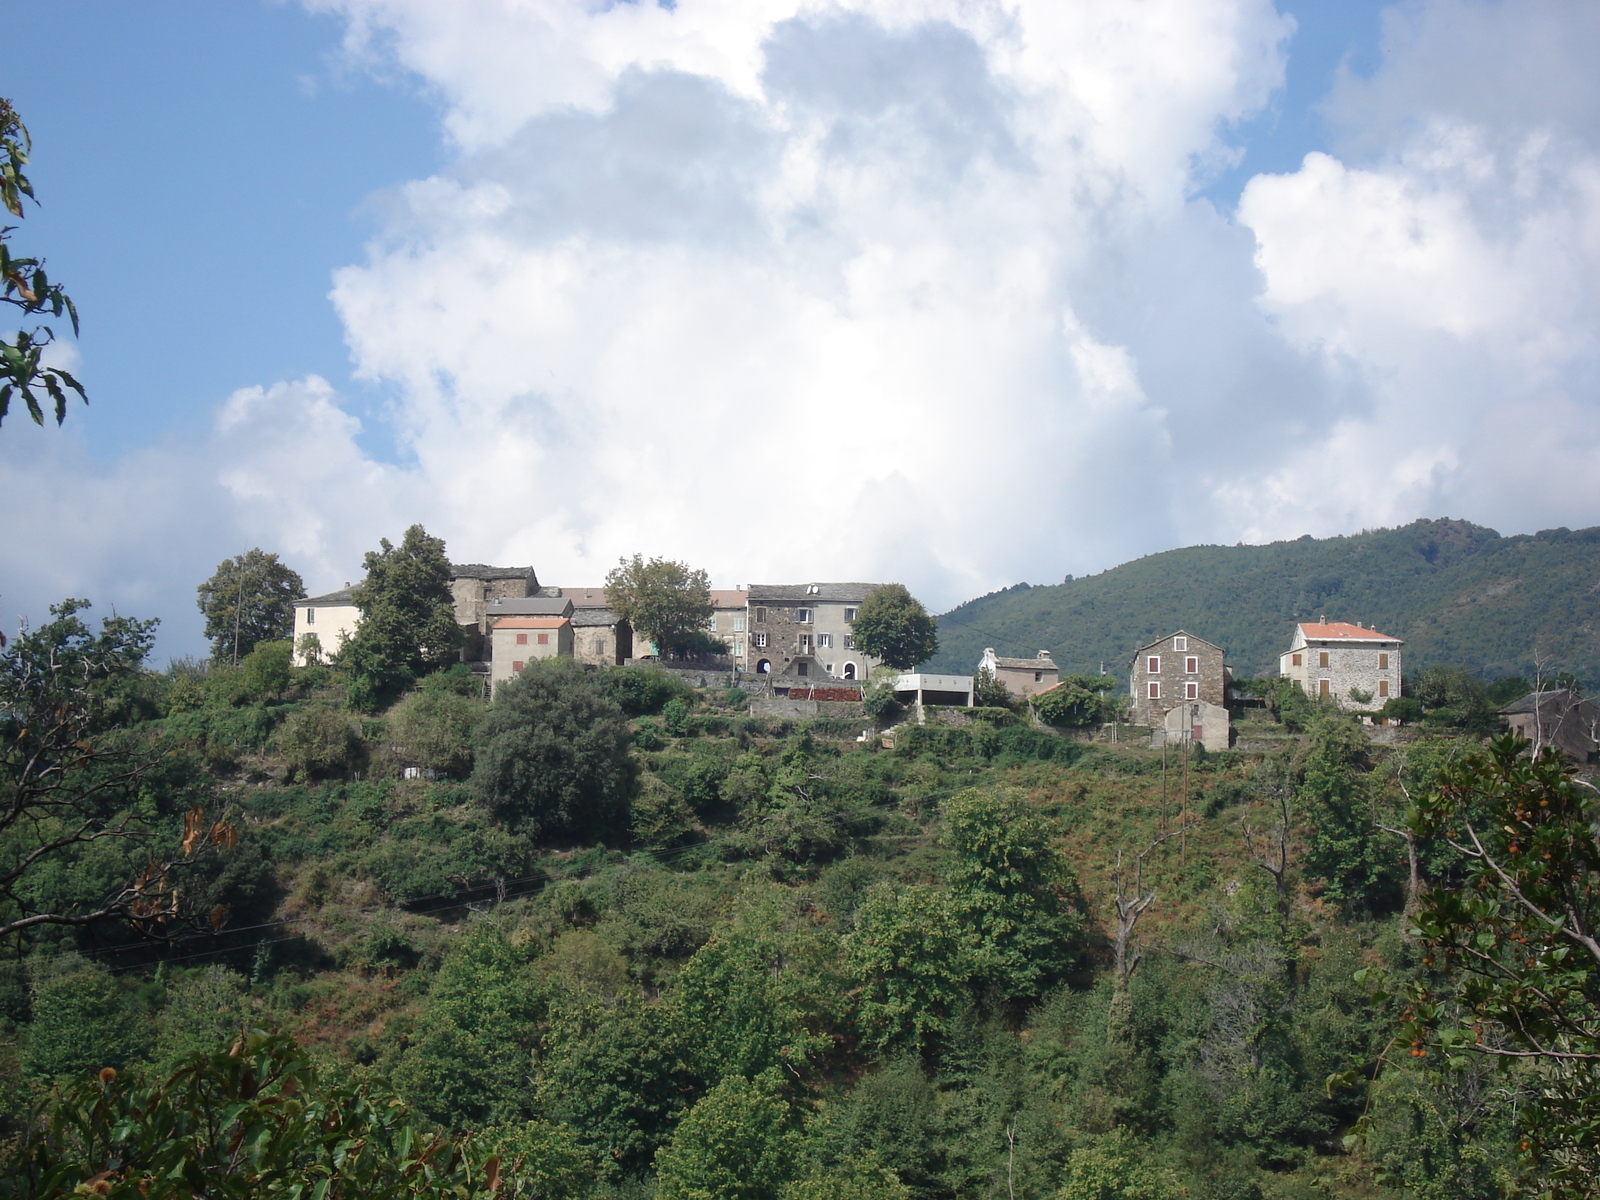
(621, 938)
(1459, 594)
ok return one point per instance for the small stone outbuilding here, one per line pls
(517, 641)
(1022, 676)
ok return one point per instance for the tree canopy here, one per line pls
(408, 622)
(891, 624)
(27, 288)
(668, 601)
(248, 599)
(553, 754)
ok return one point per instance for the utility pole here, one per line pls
(1163, 781)
(237, 606)
(1183, 811)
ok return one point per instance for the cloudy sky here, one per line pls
(956, 292)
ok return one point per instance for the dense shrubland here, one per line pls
(631, 938)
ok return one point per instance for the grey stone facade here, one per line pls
(1333, 660)
(803, 630)
(1177, 669)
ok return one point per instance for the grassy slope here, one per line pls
(1457, 593)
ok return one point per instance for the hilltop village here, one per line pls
(791, 647)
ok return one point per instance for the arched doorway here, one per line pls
(849, 670)
(764, 667)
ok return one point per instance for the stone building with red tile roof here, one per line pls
(517, 641)
(1355, 666)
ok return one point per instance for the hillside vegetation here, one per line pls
(1458, 593)
(638, 942)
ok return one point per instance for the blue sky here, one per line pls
(567, 283)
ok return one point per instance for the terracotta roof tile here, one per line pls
(1318, 631)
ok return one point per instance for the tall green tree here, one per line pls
(891, 624)
(553, 756)
(408, 622)
(668, 601)
(737, 1143)
(1012, 887)
(26, 287)
(248, 599)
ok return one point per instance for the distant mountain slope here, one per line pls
(1456, 592)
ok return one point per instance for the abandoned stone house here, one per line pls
(1022, 676)
(1560, 718)
(803, 630)
(1353, 665)
(1175, 670)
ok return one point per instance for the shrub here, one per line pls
(320, 742)
(432, 727)
(642, 691)
(553, 755)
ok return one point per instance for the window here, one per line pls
(516, 666)
(1191, 691)
(1297, 659)
(1191, 665)
(830, 668)
(825, 641)
(849, 614)
(1323, 689)
(311, 616)
(522, 639)
(758, 640)
(1180, 644)
(544, 639)
(1153, 664)
(1383, 687)
(800, 668)
(805, 643)
(738, 647)
(761, 616)
(1383, 662)
(1155, 690)
(802, 616)
(738, 624)
(849, 642)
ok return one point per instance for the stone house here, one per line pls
(1559, 718)
(473, 588)
(517, 641)
(804, 630)
(325, 620)
(1022, 676)
(1353, 665)
(729, 616)
(601, 638)
(1177, 669)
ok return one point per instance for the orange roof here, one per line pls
(1317, 631)
(729, 597)
(531, 622)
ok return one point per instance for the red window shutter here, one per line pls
(522, 639)
(1153, 664)
(544, 639)
(1192, 665)
(516, 666)
(1155, 690)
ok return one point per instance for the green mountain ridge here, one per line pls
(1457, 593)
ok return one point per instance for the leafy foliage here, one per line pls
(253, 1121)
(892, 625)
(553, 755)
(1080, 700)
(666, 600)
(408, 625)
(249, 599)
(27, 288)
